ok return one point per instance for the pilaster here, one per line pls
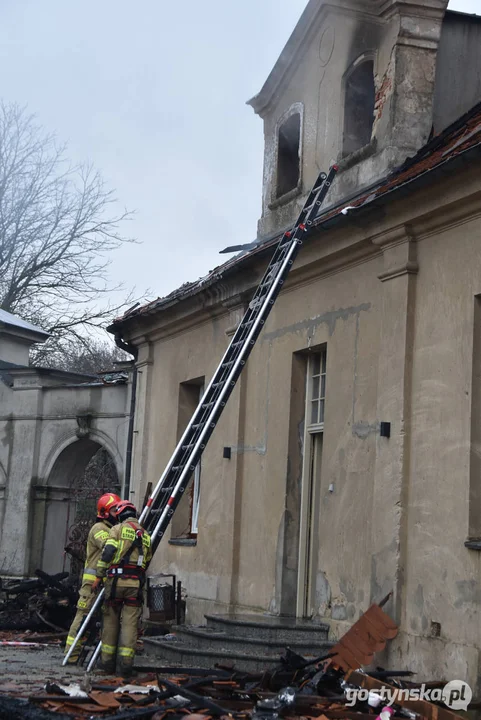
(391, 479)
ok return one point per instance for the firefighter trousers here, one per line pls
(121, 615)
(86, 598)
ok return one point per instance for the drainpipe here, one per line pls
(132, 350)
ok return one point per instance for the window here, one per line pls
(311, 482)
(317, 368)
(359, 102)
(186, 518)
(288, 155)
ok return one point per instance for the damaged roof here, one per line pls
(458, 139)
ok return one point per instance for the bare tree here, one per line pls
(92, 357)
(58, 227)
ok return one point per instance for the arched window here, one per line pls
(359, 101)
(288, 155)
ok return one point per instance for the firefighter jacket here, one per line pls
(95, 542)
(126, 553)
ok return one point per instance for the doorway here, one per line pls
(311, 484)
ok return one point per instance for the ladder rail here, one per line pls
(197, 414)
(146, 511)
(312, 204)
(228, 387)
(261, 311)
(84, 626)
(194, 439)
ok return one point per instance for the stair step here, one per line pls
(203, 636)
(283, 631)
(175, 651)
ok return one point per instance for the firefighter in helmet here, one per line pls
(97, 537)
(123, 562)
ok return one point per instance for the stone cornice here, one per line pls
(418, 8)
(393, 236)
(453, 214)
(403, 268)
(237, 301)
(419, 22)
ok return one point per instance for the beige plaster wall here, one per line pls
(392, 294)
(240, 545)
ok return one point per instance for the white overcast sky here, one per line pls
(153, 94)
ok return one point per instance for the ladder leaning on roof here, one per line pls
(168, 492)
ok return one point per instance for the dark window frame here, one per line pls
(359, 94)
(288, 153)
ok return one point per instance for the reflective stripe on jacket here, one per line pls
(99, 532)
(118, 544)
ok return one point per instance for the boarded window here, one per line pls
(359, 108)
(288, 170)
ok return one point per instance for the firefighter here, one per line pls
(97, 536)
(124, 559)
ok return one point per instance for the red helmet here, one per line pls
(106, 503)
(126, 508)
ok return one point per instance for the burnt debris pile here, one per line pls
(45, 603)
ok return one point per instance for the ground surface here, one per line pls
(25, 670)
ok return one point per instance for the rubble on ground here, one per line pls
(326, 687)
(44, 604)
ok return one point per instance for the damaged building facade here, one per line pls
(52, 423)
(347, 463)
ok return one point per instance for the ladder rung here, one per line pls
(273, 270)
(265, 286)
(316, 203)
(275, 265)
(323, 179)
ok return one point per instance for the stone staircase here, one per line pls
(249, 642)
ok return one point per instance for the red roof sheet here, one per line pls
(463, 135)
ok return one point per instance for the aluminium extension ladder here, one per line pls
(168, 492)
